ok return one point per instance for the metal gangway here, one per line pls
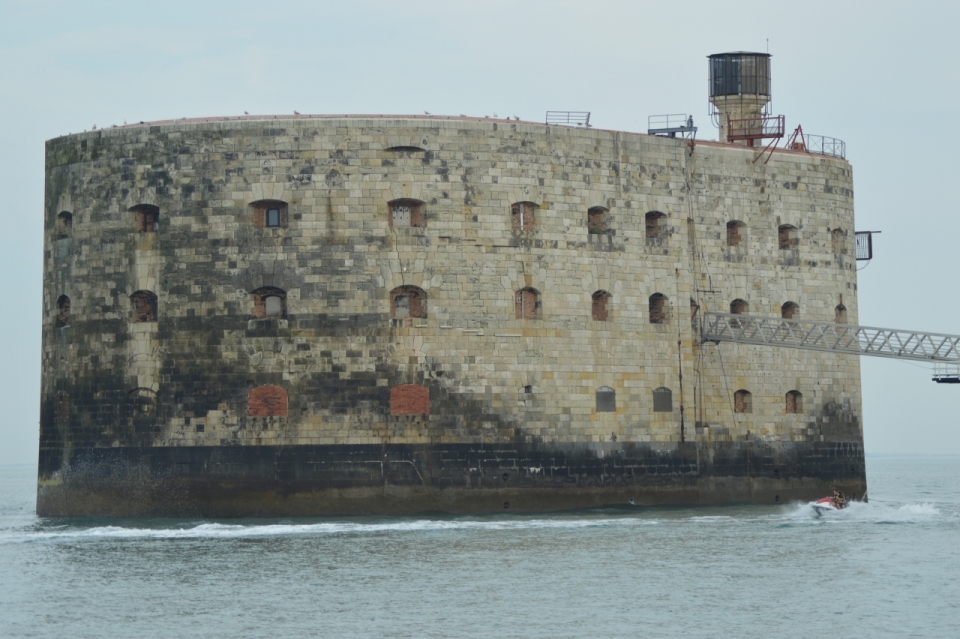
(833, 338)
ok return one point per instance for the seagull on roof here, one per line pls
(426, 113)
(296, 113)
(494, 115)
(246, 113)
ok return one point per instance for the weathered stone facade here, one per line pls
(396, 277)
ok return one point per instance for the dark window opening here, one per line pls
(599, 306)
(273, 217)
(64, 224)
(405, 214)
(658, 308)
(146, 218)
(606, 400)
(144, 306)
(269, 303)
(596, 220)
(742, 402)
(527, 303)
(63, 311)
(788, 237)
(789, 310)
(408, 301)
(662, 400)
(739, 307)
(523, 216)
(793, 402)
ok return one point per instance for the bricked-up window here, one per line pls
(596, 219)
(523, 216)
(838, 242)
(742, 401)
(146, 218)
(271, 214)
(736, 233)
(658, 308)
(662, 400)
(144, 306)
(606, 400)
(599, 306)
(269, 303)
(527, 303)
(142, 401)
(655, 223)
(405, 213)
(63, 311)
(789, 310)
(408, 301)
(61, 407)
(788, 236)
(794, 402)
(840, 314)
(64, 224)
(267, 401)
(409, 399)
(739, 307)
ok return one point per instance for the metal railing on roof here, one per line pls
(569, 118)
(671, 124)
(822, 145)
(834, 338)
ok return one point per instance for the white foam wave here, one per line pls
(226, 531)
(871, 512)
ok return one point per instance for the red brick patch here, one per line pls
(409, 399)
(267, 401)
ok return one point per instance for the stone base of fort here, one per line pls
(271, 481)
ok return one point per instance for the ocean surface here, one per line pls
(889, 568)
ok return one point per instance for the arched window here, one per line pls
(405, 213)
(654, 223)
(606, 400)
(662, 400)
(409, 399)
(794, 402)
(736, 233)
(270, 214)
(739, 307)
(788, 236)
(64, 224)
(269, 303)
(840, 314)
(408, 301)
(599, 306)
(142, 401)
(658, 308)
(63, 311)
(742, 401)
(789, 310)
(146, 218)
(523, 216)
(267, 401)
(596, 219)
(838, 242)
(527, 303)
(144, 306)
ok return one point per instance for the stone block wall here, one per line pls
(491, 375)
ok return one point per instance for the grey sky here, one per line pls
(883, 77)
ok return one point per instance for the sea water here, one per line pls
(887, 568)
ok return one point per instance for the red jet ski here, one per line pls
(826, 504)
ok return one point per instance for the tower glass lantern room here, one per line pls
(740, 94)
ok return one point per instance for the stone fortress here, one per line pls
(310, 315)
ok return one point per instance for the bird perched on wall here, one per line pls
(94, 128)
(246, 113)
(296, 113)
(426, 113)
(515, 118)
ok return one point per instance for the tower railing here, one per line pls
(823, 145)
(834, 338)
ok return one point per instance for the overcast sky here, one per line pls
(883, 77)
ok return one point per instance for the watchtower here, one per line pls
(740, 96)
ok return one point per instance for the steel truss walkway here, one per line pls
(833, 338)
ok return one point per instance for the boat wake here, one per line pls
(871, 512)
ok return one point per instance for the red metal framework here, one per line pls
(759, 128)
